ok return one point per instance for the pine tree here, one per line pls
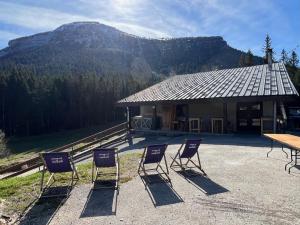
(4, 152)
(267, 46)
(284, 56)
(242, 61)
(32, 105)
(293, 61)
(249, 58)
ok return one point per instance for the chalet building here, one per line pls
(248, 99)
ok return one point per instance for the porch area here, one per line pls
(209, 117)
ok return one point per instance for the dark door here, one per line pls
(248, 117)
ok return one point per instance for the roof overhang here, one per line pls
(283, 98)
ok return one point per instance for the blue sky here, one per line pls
(242, 23)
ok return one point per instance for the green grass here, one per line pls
(23, 148)
(16, 194)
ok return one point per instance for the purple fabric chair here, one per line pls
(189, 150)
(57, 162)
(104, 158)
(153, 154)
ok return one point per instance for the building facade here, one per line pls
(248, 99)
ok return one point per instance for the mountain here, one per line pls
(91, 47)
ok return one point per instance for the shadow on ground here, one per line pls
(139, 142)
(160, 191)
(203, 183)
(100, 202)
(43, 211)
(295, 170)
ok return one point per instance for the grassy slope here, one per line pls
(26, 147)
(16, 194)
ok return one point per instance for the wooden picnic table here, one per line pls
(289, 141)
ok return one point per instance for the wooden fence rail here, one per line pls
(74, 147)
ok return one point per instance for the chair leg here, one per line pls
(181, 166)
(43, 187)
(51, 177)
(97, 174)
(165, 173)
(76, 172)
(72, 182)
(117, 177)
(174, 159)
(178, 164)
(42, 179)
(118, 171)
(166, 164)
(93, 171)
(187, 162)
(140, 165)
(74, 168)
(200, 167)
(157, 166)
(146, 176)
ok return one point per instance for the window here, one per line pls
(294, 111)
(255, 122)
(242, 122)
(255, 107)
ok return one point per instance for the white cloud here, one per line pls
(6, 35)
(42, 19)
(34, 17)
(150, 14)
(236, 20)
(139, 30)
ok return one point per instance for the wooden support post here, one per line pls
(154, 118)
(128, 117)
(274, 116)
(187, 117)
(225, 117)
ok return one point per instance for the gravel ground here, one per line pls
(243, 187)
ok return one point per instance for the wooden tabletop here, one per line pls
(289, 140)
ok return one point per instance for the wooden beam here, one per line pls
(225, 117)
(128, 117)
(274, 116)
(154, 118)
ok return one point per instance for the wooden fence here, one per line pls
(78, 149)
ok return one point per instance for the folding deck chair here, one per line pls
(57, 162)
(104, 158)
(153, 154)
(190, 149)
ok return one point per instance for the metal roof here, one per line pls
(228, 83)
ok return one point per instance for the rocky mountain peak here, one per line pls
(92, 46)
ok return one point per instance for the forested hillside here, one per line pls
(33, 104)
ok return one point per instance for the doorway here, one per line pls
(249, 117)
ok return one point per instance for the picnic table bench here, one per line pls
(289, 141)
